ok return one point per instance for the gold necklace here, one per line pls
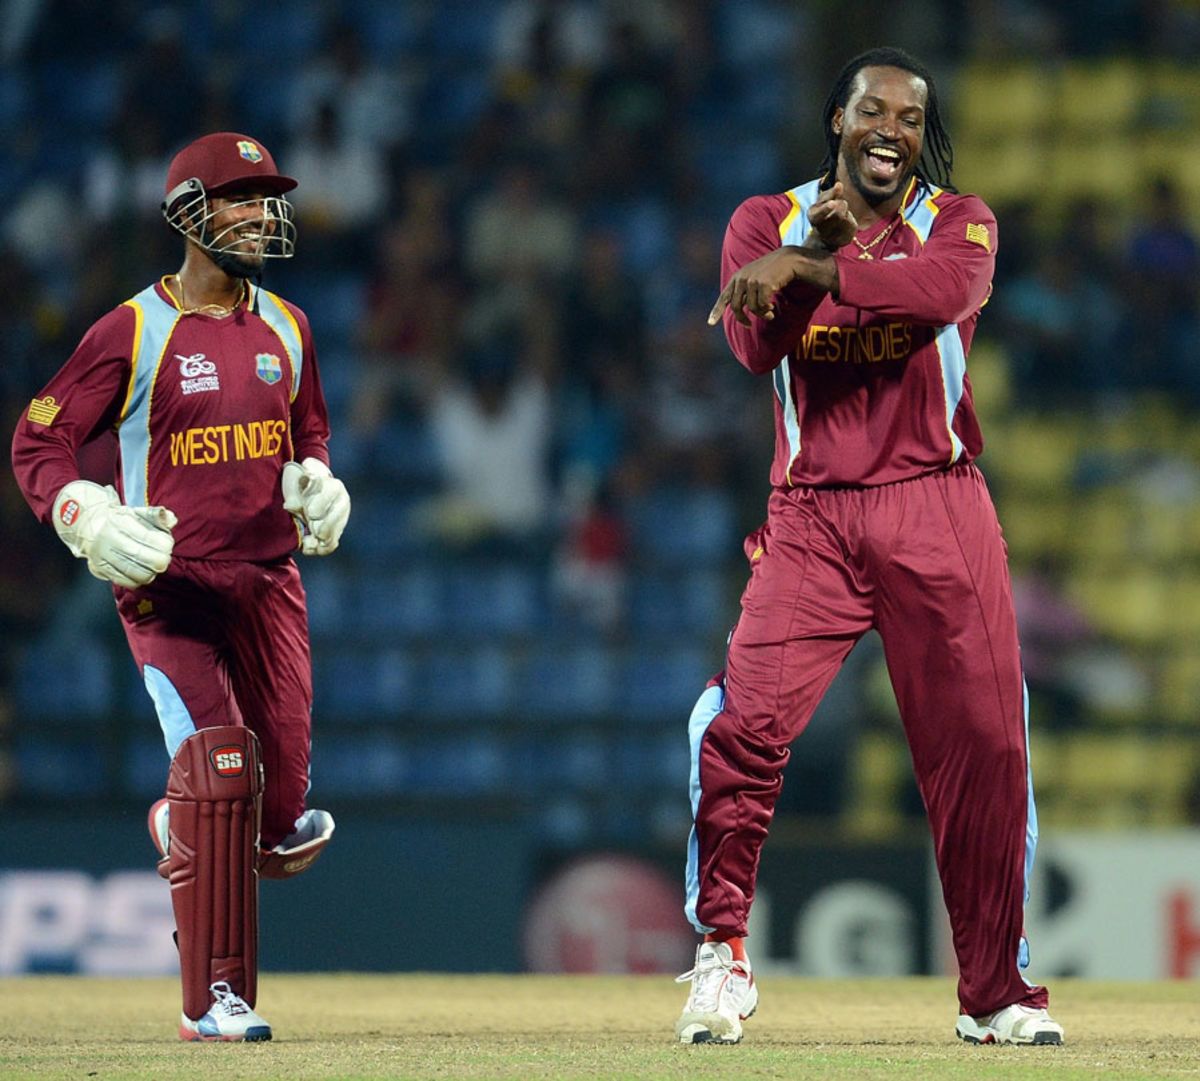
(864, 250)
(217, 310)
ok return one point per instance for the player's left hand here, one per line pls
(755, 286)
(319, 503)
(757, 283)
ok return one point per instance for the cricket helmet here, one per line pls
(228, 163)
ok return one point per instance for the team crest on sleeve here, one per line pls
(249, 150)
(268, 368)
(978, 234)
(43, 410)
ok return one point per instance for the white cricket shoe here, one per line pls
(1015, 1024)
(299, 850)
(159, 822)
(310, 826)
(723, 996)
(229, 1019)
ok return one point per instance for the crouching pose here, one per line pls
(209, 383)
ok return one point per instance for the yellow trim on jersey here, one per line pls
(177, 302)
(150, 396)
(926, 213)
(139, 317)
(790, 217)
(290, 317)
(293, 361)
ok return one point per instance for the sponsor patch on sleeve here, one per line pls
(43, 410)
(978, 234)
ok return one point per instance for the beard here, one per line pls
(873, 196)
(238, 266)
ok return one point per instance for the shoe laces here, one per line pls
(708, 978)
(227, 1002)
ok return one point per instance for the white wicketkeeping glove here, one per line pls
(318, 501)
(126, 545)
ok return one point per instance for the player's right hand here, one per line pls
(833, 224)
(129, 546)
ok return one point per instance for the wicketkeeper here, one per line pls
(209, 384)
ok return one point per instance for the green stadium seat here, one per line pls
(1042, 452)
(1130, 604)
(879, 769)
(1101, 94)
(1178, 687)
(1127, 780)
(1000, 98)
(999, 167)
(1094, 162)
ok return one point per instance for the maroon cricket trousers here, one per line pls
(224, 642)
(923, 562)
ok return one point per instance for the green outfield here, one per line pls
(561, 1027)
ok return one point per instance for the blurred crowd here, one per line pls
(510, 219)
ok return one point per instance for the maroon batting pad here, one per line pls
(215, 790)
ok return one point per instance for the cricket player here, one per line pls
(210, 385)
(859, 293)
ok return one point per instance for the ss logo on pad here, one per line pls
(227, 761)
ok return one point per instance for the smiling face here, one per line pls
(882, 131)
(242, 225)
(238, 229)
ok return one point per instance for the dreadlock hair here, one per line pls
(937, 154)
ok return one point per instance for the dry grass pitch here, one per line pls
(565, 1027)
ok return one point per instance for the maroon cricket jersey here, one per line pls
(870, 387)
(206, 410)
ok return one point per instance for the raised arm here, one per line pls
(760, 275)
(780, 284)
(947, 282)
